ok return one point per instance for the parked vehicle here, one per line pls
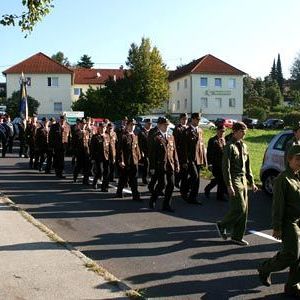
(205, 123)
(225, 122)
(272, 124)
(273, 162)
(251, 123)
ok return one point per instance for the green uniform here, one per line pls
(236, 172)
(286, 217)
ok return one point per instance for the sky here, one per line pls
(246, 34)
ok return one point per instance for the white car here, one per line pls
(205, 123)
(273, 162)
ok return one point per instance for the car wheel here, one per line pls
(268, 181)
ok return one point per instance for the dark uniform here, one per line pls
(49, 160)
(30, 135)
(194, 156)
(286, 218)
(21, 128)
(152, 132)
(215, 148)
(100, 148)
(112, 152)
(164, 161)
(143, 144)
(41, 143)
(128, 156)
(80, 143)
(179, 136)
(58, 142)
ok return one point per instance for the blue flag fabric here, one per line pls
(23, 108)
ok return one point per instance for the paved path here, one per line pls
(167, 256)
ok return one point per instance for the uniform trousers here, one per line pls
(59, 159)
(236, 218)
(218, 181)
(82, 164)
(101, 171)
(128, 174)
(191, 181)
(289, 255)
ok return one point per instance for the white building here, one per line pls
(48, 82)
(207, 85)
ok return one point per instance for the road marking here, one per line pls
(264, 235)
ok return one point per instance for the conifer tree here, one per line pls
(279, 75)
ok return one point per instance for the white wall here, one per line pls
(84, 88)
(44, 94)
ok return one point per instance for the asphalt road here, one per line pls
(165, 256)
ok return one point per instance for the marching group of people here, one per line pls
(169, 160)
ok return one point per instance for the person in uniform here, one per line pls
(112, 151)
(30, 134)
(81, 151)
(293, 141)
(22, 127)
(58, 142)
(285, 219)
(100, 146)
(179, 134)
(215, 148)
(41, 142)
(164, 163)
(143, 144)
(128, 156)
(236, 172)
(153, 177)
(49, 155)
(194, 157)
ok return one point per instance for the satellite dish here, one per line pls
(98, 74)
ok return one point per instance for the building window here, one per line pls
(232, 83)
(185, 103)
(178, 85)
(204, 103)
(52, 81)
(218, 82)
(178, 105)
(58, 106)
(203, 81)
(219, 102)
(77, 91)
(231, 102)
(185, 83)
(28, 81)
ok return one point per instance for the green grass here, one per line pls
(257, 141)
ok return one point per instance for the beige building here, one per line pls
(207, 85)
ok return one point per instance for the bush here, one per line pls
(292, 119)
(257, 113)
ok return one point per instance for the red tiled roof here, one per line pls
(96, 76)
(207, 64)
(38, 64)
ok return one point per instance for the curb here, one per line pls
(87, 262)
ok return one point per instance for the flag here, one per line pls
(23, 107)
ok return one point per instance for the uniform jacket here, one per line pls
(100, 147)
(59, 135)
(143, 142)
(215, 148)
(30, 134)
(80, 140)
(236, 165)
(286, 195)
(163, 154)
(112, 145)
(128, 150)
(194, 147)
(42, 137)
(179, 135)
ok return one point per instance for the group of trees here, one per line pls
(144, 86)
(84, 62)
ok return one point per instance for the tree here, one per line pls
(148, 76)
(61, 58)
(273, 93)
(273, 73)
(85, 62)
(279, 75)
(12, 105)
(295, 73)
(34, 12)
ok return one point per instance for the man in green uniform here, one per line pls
(286, 217)
(236, 172)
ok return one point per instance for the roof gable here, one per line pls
(38, 64)
(207, 64)
(96, 76)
